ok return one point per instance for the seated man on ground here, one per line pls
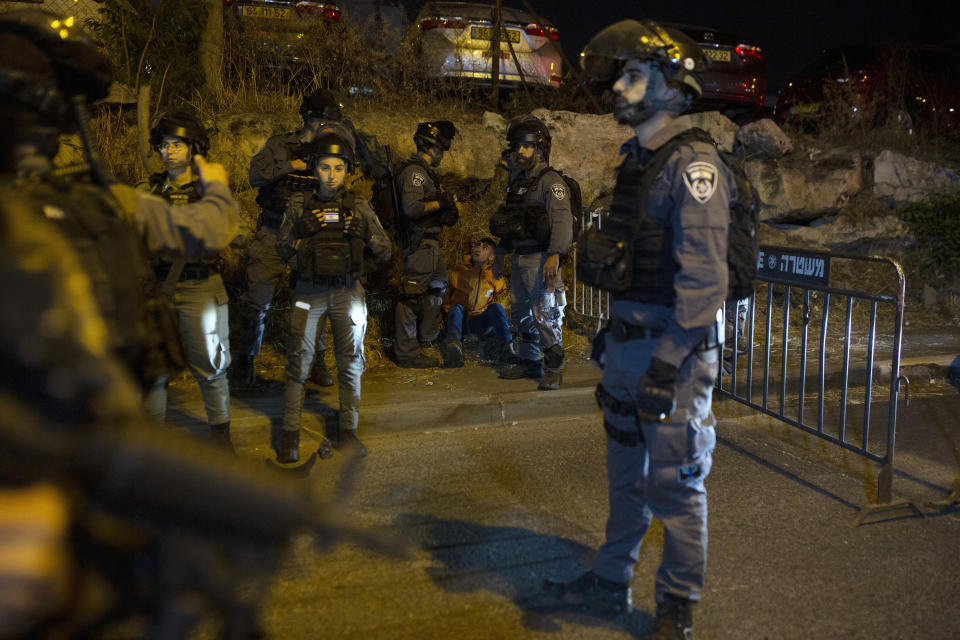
(471, 304)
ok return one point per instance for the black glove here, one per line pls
(446, 200)
(657, 392)
(598, 346)
(353, 226)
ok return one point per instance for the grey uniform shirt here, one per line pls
(417, 188)
(376, 238)
(552, 194)
(693, 193)
(193, 230)
(273, 162)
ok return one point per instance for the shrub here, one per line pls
(934, 221)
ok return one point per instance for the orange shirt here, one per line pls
(473, 287)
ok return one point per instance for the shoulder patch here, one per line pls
(559, 191)
(417, 179)
(701, 180)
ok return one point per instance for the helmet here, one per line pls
(530, 130)
(679, 58)
(46, 61)
(321, 104)
(181, 124)
(332, 144)
(434, 134)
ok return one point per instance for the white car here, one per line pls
(457, 42)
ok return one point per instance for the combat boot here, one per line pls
(289, 449)
(220, 436)
(508, 354)
(552, 368)
(349, 444)
(674, 619)
(522, 369)
(593, 593)
(453, 354)
(419, 361)
(242, 370)
(320, 374)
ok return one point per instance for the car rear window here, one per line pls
(475, 11)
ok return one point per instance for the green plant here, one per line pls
(934, 221)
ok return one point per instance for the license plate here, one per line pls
(486, 33)
(804, 109)
(718, 55)
(276, 13)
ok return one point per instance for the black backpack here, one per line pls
(606, 262)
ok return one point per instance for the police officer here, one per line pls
(278, 171)
(323, 234)
(196, 286)
(659, 352)
(49, 69)
(536, 223)
(426, 209)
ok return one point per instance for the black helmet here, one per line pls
(181, 124)
(434, 134)
(322, 105)
(678, 56)
(530, 130)
(332, 144)
(45, 61)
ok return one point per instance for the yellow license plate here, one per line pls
(804, 109)
(276, 13)
(717, 55)
(486, 33)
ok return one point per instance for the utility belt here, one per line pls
(189, 272)
(525, 251)
(270, 219)
(622, 331)
(435, 236)
(329, 281)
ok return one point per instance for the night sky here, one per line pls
(790, 32)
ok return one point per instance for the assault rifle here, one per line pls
(178, 529)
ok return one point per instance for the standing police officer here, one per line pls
(426, 209)
(49, 69)
(537, 224)
(659, 354)
(199, 296)
(325, 232)
(279, 170)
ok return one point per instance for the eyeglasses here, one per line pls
(175, 145)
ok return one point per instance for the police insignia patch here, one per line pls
(418, 179)
(701, 180)
(559, 191)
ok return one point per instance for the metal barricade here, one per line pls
(588, 301)
(800, 287)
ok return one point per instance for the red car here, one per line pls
(916, 86)
(736, 80)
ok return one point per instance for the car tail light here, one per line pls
(439, 22)
(542, 31)
(325, 9)
(749, 51)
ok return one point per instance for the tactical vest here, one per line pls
(653, 266)
(195, 269)
(273, 197)
(142, 323)
(438, 219)
(520, 225)
(325, 251)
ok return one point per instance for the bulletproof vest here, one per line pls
(651, 240)
(325, 251)
(520, 224)
(142, 324)
(420, 224)
(179, 198)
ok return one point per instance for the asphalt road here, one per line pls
(487, 513)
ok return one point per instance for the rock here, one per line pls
(723, 129)
(837, 232)
(903, 179)
(763, 139)
(800, 191)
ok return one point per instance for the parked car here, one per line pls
(736, 80)
(910, 84)
(279, 25)
(456, 41)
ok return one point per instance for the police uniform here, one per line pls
(672, 313)
(424, 280)
(200, 300)
(328, 265)
(536, 308)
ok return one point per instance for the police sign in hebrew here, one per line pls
(659, 350)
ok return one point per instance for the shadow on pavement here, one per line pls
(513, 562)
